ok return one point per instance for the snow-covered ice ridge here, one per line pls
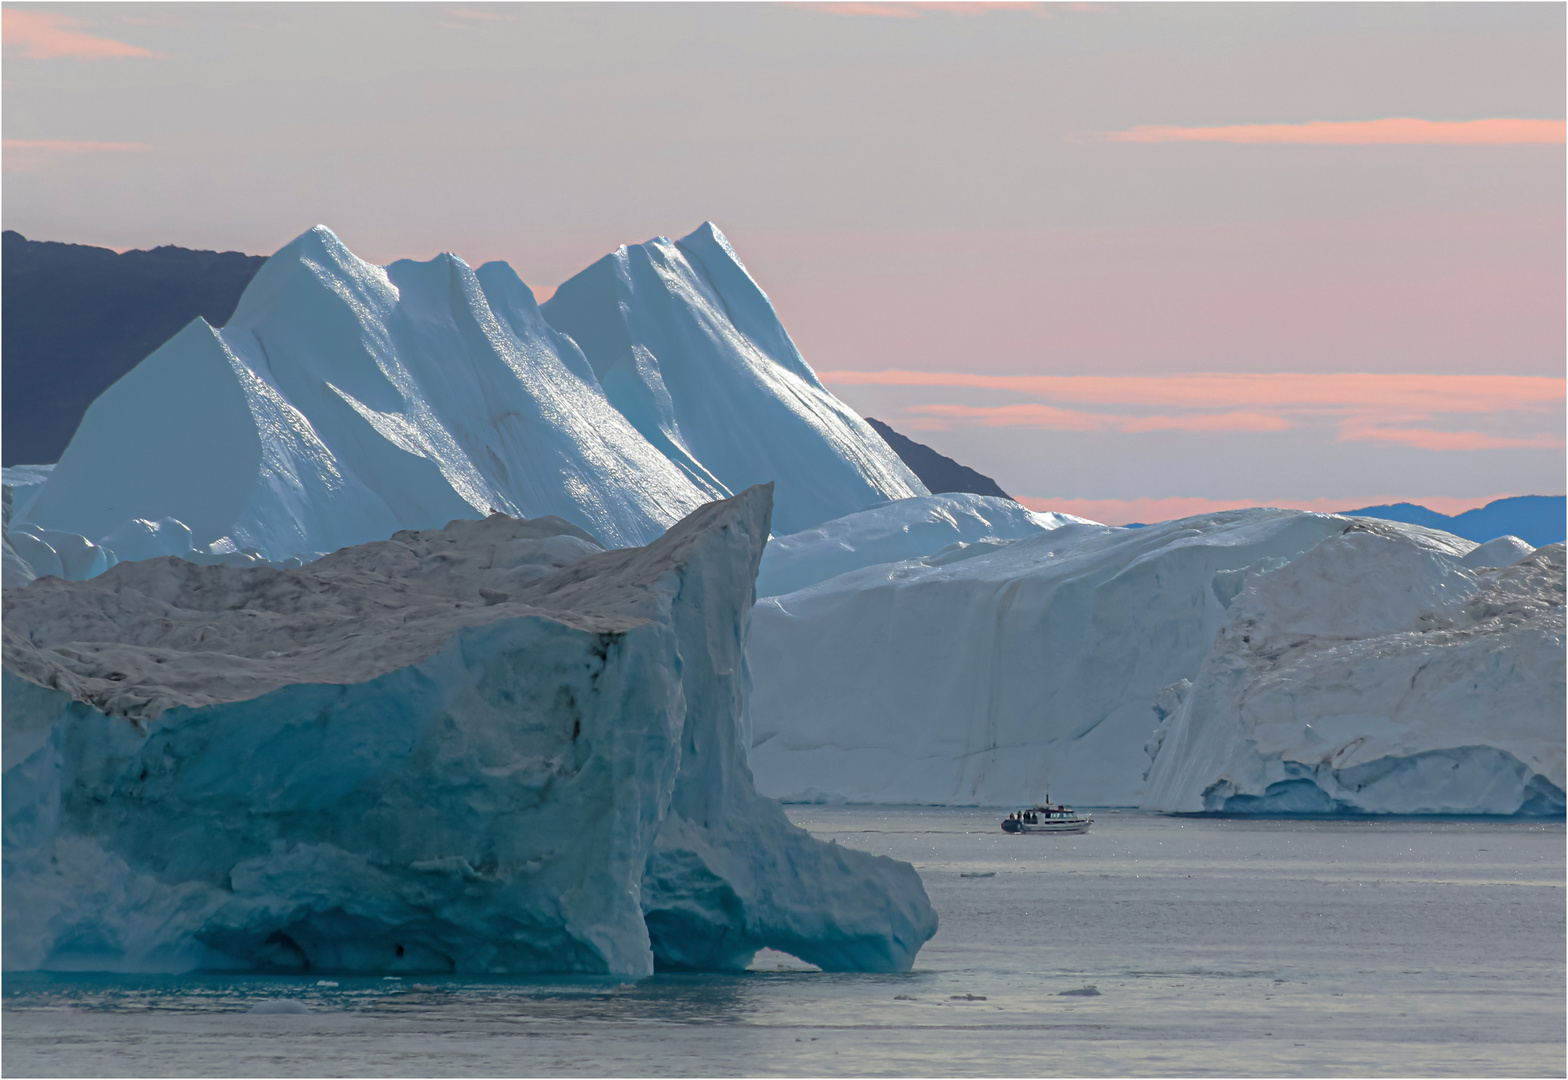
(950, 526)
(345, 401)
(495, 747)
(993, 670)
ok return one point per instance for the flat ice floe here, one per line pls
(494, 747)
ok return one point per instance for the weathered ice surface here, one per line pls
(1029, 666)
(344, 401)
(1374, 676)
(953, 526)
(490, 748)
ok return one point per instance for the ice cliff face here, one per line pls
(344, 401)
(1374, 676)
(494, 747)
(988, 674)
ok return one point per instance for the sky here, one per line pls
(1132, 261)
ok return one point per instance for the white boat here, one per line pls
(1046, 818)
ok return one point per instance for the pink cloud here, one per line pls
(913, 9)
(1362, 429)
(1042, 416)
(69, 146)
(1367, 408)
(938, 417)
(1123, 511)
(30, 155)
(1232, 421)
(1400, 130)
(1422, 393)
(47, 35)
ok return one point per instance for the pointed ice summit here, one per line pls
(345, 401)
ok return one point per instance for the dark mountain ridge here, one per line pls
(936, 471)
(1535, 519)
(79, 317)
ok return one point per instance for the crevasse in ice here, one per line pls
(495, 747)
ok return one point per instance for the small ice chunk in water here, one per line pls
(1087, 991)
(325, 982)
(279, 1007)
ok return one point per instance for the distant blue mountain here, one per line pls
(1535, 519)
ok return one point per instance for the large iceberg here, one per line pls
(345, 401)
(494, 747)
(1376, 676)
(998, 672)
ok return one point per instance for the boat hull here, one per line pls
(1064, 828)
(1068, 826)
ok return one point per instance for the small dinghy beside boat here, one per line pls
(1046, 818)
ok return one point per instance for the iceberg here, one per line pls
(1050, 663)
(1374, 676)
(343, 402)
(493, 747)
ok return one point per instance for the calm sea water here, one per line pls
(1151, 945)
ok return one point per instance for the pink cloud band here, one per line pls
(32, 155)
(1500, 131)
(913, 9)
(1047, 416)
(1363, 429)
(47, 35)
(69, 146)
(1395, 409)
(1249, 391)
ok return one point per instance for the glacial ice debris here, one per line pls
(1373, 676)
(344, 401)
(494, 747)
